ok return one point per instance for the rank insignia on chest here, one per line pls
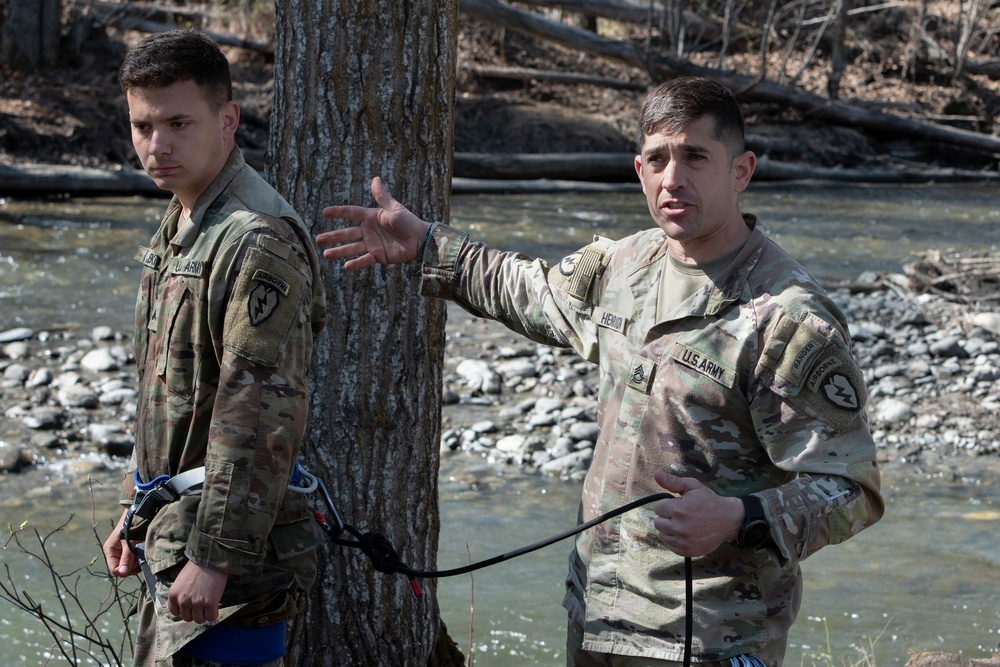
(640, 374)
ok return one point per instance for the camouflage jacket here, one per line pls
(747, 386)
(229, 306)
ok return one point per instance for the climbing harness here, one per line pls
(150, 498)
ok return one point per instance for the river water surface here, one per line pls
(926, 578)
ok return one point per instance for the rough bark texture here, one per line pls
(364, 89)
(29, 33)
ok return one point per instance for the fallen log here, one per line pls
(631, 12)
(553, 76)
(479, 172)
(39, 180)
(663, 66)
(142, 25)
(470, 186)
(606, 167)
(989, 67)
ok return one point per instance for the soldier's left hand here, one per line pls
(698, 521)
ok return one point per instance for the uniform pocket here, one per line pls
(294, 539)
(179, 360)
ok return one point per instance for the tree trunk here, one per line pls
(29, 33)
(838, 50)
(364, 89)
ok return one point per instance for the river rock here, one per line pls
(484, 426)
(516, 369)
(45, 418)
(891, 411)
(949, 346)
(988, 321)
(38, 378)
(19, 350)
(99, 361)
(574, 464)
(100, 333)
(77, 396)
(548, 405)
(20, 333)
(512, 444)
(479, 377)
(15, 375)
(584, 431)
(11, 457)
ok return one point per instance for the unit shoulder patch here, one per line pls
(264, 307)
(835, 387)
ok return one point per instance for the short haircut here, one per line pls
(163, 59)
(673, 105)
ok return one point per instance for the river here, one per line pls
(923, 579)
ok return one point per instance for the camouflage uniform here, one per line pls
(229, 306)
(747, 386)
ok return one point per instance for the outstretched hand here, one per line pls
(698, 521)
(389, 234)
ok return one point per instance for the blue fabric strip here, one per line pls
(239, 644)
(150, 484)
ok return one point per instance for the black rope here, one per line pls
(385, 559)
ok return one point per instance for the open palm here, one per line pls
(389, 234)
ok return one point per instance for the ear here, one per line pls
(229, 114)
(638, 171)
(743, 167)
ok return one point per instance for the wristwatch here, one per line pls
(754, 531)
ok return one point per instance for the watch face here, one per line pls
(754, 535)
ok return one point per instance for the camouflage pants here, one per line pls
(576, 656)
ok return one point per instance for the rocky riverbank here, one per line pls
(932, 368)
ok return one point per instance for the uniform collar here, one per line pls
(189, 228)
(727, 288)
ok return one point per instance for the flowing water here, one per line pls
(924, 579)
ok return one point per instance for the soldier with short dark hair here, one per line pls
(229, 306)
(726, 378)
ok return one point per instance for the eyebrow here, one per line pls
(687, 148)
(171, 119)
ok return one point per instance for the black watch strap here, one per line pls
(755, 531)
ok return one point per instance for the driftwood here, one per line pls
(632, 12)
(554, 76)
(37, 180)
(970, 280)
(662, 66)
(129, 22)
(990, 67)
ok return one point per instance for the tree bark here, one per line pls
(663, 66)
(364, 89)
(29, 33)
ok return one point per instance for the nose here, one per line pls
(674, 176)
(158, 142)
